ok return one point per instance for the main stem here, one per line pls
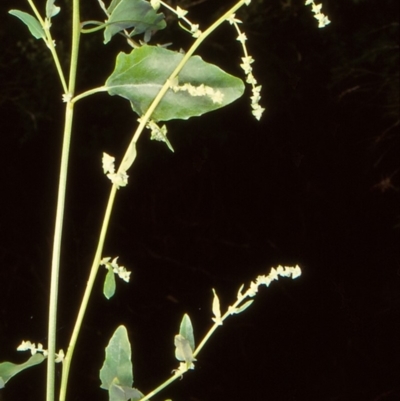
(55, 263)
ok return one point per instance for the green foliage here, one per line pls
(9, 369)
(140, 75)
(31, 22)
(186, 330)
(109, 284)
(116, 373)
(184, 342)
(124, 14)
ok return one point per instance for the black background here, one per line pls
(315, 183)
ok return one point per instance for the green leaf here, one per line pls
(109, 284)
(8, 369)
(140, 75)
(117, 367)
(133, 13)
(184, 341)
(186, 330)
(31, 22)
(51, 9)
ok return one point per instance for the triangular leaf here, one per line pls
(31, 22)
(140, 75)
(117, 367)
(133, 13)
(9, 369)
(186, 330)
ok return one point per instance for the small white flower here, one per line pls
(194, 29)
(180, 12)
(119, 270)
(246, 64)
(296, 271)
(60, 356)
(25, 345)
(66, 97)
(123, 274)
(251, 79)
(217, 97)
(108, 163)
(232, 20)
(316, 8)
(241, 37)
(252, 291)
(155, 4)
(323, 20)
(119, 179)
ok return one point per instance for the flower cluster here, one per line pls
(239, 306)
(274, 274)
(119, 270)
(202, 90)
(180, 13)
(27, 345)
(320, 17)
(158, 133)
(118, 179)
(247, 60)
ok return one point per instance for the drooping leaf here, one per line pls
(51, 9)
(9, 369)
(31, 22)
(140, 75)
(117, 366)
(137, 14)
(109, 284)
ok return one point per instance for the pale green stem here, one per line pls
(86, 296)
(161, 387)
(215, 327)
(88, 93)
(55, 264)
